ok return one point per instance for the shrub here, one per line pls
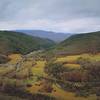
(54, 69)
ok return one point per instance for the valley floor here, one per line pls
(36, 82)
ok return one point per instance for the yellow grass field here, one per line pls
(14, 58)
(38, 69)
(63, 95)
(73, 58)
(59, 93)
(73, 66)
(35, 88)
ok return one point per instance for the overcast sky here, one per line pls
(70, 16)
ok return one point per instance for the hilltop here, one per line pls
(81, 43)
(15, 42)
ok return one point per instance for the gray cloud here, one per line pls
(57, 15)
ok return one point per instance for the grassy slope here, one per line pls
(11, 42)
(81, 43)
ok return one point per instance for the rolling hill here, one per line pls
(57, 37)
(12, 42)
(80, 43)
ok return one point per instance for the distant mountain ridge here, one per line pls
(57, 37)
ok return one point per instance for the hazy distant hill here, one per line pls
(81, 43)
(57, 37)
(11, 42)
